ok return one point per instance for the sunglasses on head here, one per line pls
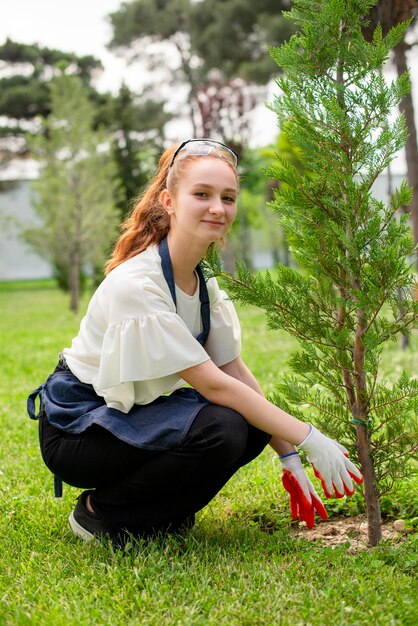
(204, 147)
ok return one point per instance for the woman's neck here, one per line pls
(184, 258)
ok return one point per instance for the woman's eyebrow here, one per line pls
(212, 187)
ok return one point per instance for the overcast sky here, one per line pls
(81, 26)
(78, 25)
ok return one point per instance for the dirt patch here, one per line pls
(352, 530)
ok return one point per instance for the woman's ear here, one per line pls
(166, 201)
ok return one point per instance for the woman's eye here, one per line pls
(201, 194)
(229, 199)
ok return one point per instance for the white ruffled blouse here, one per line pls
(132, 342)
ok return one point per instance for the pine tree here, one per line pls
(354, 252)
(76, 193)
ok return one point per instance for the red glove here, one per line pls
(304, 500)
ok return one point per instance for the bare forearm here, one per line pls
(237, 369)
(223, 389)
(280, 446)
(261, 413)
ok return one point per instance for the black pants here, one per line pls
(144, 490)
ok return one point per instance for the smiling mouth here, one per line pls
(214, 223)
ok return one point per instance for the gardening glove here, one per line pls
(331, 464)
(304, 500)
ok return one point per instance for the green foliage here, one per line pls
(400, 503)
(62, 275)
(231, 37)
(240, 565)
(25, 90)
(354, 288)
(40, 57)
(137, 126)
(76, 191)
(135, 123)
(220, 48)
(159, 20)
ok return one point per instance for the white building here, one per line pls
(17, 260)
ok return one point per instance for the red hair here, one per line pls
(148, 222)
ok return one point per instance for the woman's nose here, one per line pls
(217, 206)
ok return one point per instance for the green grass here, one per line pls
(238, 566)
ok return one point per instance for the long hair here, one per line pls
(148, 222)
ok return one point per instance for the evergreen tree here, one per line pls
(76, 192)
(221, 49)
(137, 126)
(354, 252)
(24, 89)
(388, 13)
(136, 122)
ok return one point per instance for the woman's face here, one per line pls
(204, 204)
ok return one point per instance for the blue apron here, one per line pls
(73, 406)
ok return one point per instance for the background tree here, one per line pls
(27, 70)
(135, 121)
(352, 249)
(76, 192)
(283, 148)
(222, 60)
(251, 204)
(137, 126)
(221, 50)
(389, 13)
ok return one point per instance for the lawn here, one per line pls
(241, 565)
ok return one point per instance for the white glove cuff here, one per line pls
(307, 438)
(284, 456)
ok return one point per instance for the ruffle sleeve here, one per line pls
(224, 342)
(144, 348)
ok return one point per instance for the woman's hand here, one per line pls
(331, 464)
(304, 500)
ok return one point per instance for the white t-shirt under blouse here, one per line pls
(132, 342)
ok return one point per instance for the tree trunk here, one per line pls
(356, 384)
(274, 248)
(228, 257)
(374, 519)
(245, 242)
(360, 414)
(192, 105)
(404, 342)
(75, 280)
(188, 73)
(411, 148)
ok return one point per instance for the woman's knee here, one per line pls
(224, 431)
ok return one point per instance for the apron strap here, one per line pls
(203, 290)
(167, 267)
(204, 307)
(57, 486)
(30, 404)
(31, 409)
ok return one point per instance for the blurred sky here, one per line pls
(81, 26)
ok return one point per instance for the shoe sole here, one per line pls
(79, 530)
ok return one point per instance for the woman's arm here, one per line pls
(237, 369)
(222, 388)
(329, 459)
